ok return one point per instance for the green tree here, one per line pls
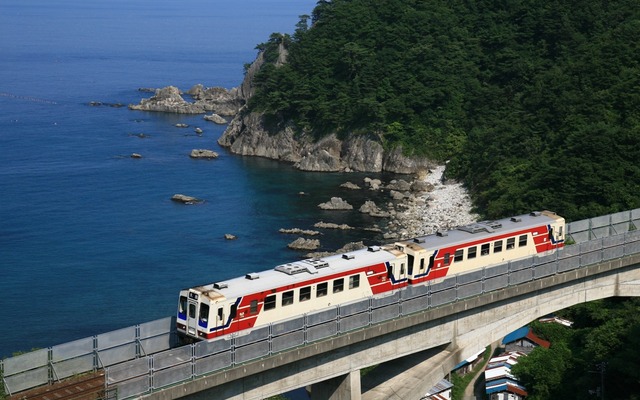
(543, 370)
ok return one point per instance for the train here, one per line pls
(238, 305)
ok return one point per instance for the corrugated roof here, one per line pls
(440, 387)
(516, 335)
(525, 333)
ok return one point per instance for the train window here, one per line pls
(253, 307)
(522, 240)
(511, 243)
(305, 293)
(220, 314)
(447, 258)
(234, 311)
(484, 249)
(354, 281)
(321, 290)
(458, 256)
(422, 264)
(270, 302)
(182, 307)
(497, 246)
(471, 253)
(192, 310)
(204, 313)
(338, 285)
(287, 298)
(402, 269)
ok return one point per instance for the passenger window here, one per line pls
(484, 249)
(354, 281)
(402, 269)
(234, 311)
(471, 253)
(338, 285)
(253, 307)
(182, 308)
(511, 243)
(321, 289)
(447, 258)
(522, 241)
(287, 298)
(204, 313)
(270, 302)
(497, 246)
(305, 293)
(192, 310)
(458, 256)
(220, 314)
(422, 264)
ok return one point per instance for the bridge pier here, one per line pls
(343, 387)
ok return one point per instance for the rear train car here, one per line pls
(482, 244)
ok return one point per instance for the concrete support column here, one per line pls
(344, 387)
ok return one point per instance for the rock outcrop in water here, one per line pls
(217, 100)
(203, 153)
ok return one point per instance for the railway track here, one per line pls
(85, 387)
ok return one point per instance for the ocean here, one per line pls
(90, 241)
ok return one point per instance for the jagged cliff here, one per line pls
(246, 135)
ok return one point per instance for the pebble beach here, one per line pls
(445, 207)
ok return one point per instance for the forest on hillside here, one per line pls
(535, 104)
(601, 349)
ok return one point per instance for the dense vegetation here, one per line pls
(536, 103)
(605, 334)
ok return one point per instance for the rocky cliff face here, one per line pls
(246, 135)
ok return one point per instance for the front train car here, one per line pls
(482, 244)
(286, 291)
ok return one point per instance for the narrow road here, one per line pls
(470, 393)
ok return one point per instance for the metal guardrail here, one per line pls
(55, 363)
(143, 358)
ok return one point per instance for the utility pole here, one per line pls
(602, 367)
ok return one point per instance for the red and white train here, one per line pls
(257, 299)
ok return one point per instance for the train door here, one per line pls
(192, 317)
(398, 269)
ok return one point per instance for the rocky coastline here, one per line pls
(420, 206)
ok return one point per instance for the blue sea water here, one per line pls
(89, 239)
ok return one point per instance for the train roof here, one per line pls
(296, 272)
(479, 230)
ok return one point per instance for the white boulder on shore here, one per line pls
(304, 244)
(336, 203)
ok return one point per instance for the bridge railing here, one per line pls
(55, 363)
(137, 347)
(193, 361)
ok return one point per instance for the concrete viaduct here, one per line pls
(417, 350)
